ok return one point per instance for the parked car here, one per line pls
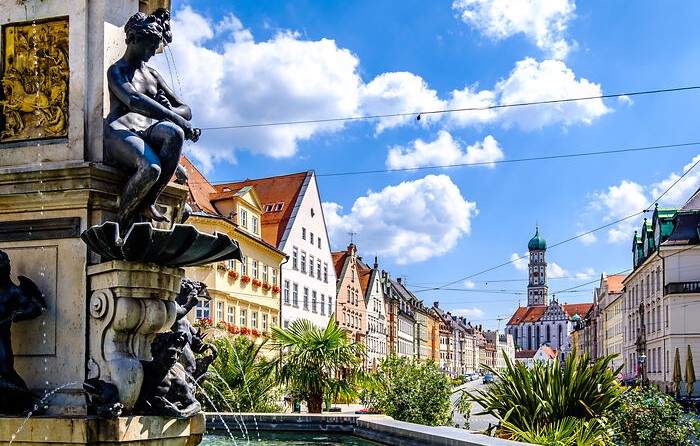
(468, 376)
(488, 378)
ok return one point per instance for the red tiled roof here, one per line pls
(524, 354)
(365, 275)
(525, 314)
(199, 189)
(339, 262)
(548, 351)
(580, 309)
(615, 283)
(282, 189)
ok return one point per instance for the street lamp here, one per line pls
(642, 358)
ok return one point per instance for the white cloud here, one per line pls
(445, 150)
(468, 284)
(519, 261)
(468, 312)
(624, 99)
(411, 222)
(543, 21)
(469, 98)
(554, 271)
(585, 274)
(587, 238)
(618, 202)
(681, 191)
(532, 81)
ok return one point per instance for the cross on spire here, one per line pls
(352, 234)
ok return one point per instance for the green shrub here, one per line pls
(646, 417)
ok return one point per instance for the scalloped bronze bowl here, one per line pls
(183, 245)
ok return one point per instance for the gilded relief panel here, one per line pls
(34, 94)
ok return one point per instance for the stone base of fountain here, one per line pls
(141, 430)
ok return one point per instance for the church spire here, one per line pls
(537, 271)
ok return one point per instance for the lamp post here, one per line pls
(642, 359)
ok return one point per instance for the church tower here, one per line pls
(537, 271)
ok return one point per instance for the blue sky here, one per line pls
(243, 63)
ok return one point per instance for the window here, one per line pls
(330, 305)
(318, 269)
(286, 323)
(268, 208)
(274, 322)
(311, 266)
(244, 218)
(264, 273)
(311, 237)
(303, 233)
(231, 264)
(244, 266)
(319, 242)
(254, 264)
(278, 206)
(202, 311)
(243, 319)
(285, 293)
(323, 304)
(254, 319)
(263, 322)
(325, 272)
(295, 295)
(313, 301)
(254, 220)
(219, 311)
(231, 315)
(274, 276)
(295, 258)
(303, 262)
(306, 298)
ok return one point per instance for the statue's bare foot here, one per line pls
(152, 213)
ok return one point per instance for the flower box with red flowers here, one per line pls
(255, 332)
(257, 282)
(276, 289)
(203, 322)
(245, 330)
(266, 286)
(245, 279)
(232, 275)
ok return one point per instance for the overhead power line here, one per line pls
(418, 114)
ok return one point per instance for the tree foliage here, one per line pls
(240, 378)
(317, 361)
(645, 417)
(411, 391)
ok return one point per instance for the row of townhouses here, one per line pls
(647, 317)
(289, 272)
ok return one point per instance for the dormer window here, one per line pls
(269, 207)
(226, 189)
(278, 206)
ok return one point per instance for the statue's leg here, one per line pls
(167, 139)
(134, 154)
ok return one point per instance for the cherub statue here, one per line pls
(17, 303)
(164, 391)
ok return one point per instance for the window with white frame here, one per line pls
(311, 266)
(231, 264)
(274, 275)
(303, 262)
(285, 292)
(319, 242)
(330, 305)
(219, 311)
(268, 208)
(231, 314)
(306, 298)
(263, 322)
(295, 258)
(295, 295)
(254, 267)
(311, 237)
(313, 301)
(325, 272)
(274, 321)
(254, 319)
(202, 310)
(318, 269)
(303, 233)
(243, 319)
(323, 304)
(254, 221)
(264, 272)
(244, 218)
(244, 265)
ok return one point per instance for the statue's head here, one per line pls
(167, 347)
(153, 29)
(4, 264)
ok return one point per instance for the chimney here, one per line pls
(398, 279)
(436, 304)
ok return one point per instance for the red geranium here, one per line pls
(266, 286)
(245, 279)
(276, 289)
(233, 275)
(257, 282)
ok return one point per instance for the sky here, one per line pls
(368, 93)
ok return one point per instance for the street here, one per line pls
(476, 422)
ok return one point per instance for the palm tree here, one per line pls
(312, 356)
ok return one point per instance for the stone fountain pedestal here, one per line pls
(100, 316)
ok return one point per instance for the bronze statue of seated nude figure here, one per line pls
(147, 123)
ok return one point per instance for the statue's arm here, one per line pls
(120, 85)
(176, 103)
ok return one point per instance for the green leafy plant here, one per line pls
(318, 361)
(568, 431)
(538, 399)
(410, 391)
(647, 417)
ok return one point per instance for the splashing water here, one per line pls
(37, 406)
